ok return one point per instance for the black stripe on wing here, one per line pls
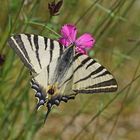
(74, 59)
(37, 49)
(48, 72)
(101, 68)
(106, 86)
(82, 63)
(77, 56)
(29, 38)
(61, 49)
(100, 90)
(46, 42)
(19, 44)
(102, 74)
(90, 64)
(51, 49)
(51, 55)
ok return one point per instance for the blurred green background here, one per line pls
(116, 26)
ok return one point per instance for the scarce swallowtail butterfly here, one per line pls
(60, 73)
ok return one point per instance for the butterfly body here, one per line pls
(60, 73)
(63, 64)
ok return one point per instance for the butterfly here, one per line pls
(59, 73)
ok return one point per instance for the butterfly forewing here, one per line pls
(36, 52)
(91, 77)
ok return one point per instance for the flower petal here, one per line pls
(64, 42)
(68, 33)
(79, 50)
(86, 41)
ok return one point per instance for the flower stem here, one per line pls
(47, 27)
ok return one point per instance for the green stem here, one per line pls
(47, 27)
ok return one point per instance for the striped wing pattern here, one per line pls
(89, 76)
(36, 52)
(41, 55)
(66, 73)
(92, 77)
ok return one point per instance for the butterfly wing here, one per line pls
(36, 52)
(39, 54)
(66, 83)
(88, 76)
(91, 77)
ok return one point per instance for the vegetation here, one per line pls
(115, 25)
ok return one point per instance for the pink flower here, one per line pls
(84, 42)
